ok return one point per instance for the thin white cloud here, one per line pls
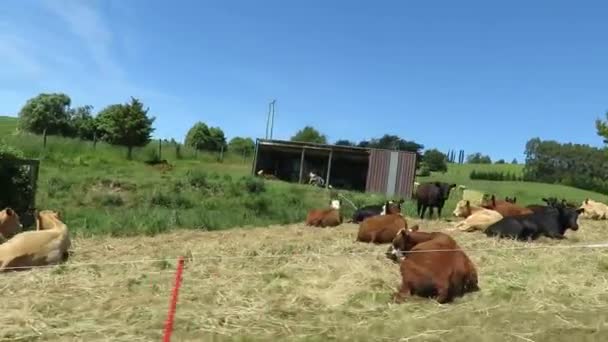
(86, 22)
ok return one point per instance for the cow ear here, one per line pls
(453, 185)
(437, 184)
(514, 199)
(414, 228)
(10, 211)
(580, 210)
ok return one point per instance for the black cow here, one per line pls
(389, 207)
(432, 195)
(551, 202)
(552, 222)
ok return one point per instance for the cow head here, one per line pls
(10, 222)
(47, 219)
(401, 243)
(511, 200)
(568, 216)
(445, 188)
(463, 209)
(335, 204)
(391, 207)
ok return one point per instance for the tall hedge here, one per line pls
(16, 190)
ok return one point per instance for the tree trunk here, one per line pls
(129, 152)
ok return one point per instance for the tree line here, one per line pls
(130, 125)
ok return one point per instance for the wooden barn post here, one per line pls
(302, 165)
(331, 154)
(255, 157)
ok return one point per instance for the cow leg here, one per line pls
(419, 207)
(401, 295)
(439, 211)
(430, 213)
(422, 212)
(443, 293)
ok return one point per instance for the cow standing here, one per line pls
(432, 195)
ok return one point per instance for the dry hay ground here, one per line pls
(255, 293)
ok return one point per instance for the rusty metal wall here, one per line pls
(377, 172)
(379, 169)
(406, 173)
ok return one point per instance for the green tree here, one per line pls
(601, 127)
(46, 112)
(500, 161)
(242, 146)
(344, 142)
(126, 125)
(514, 161)
(478, 158)
(309, 134)
(435, 160)
(83, 124)
(202, 137)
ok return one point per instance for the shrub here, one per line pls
(16, 189)
(254, 185)
(424, 170)
(197, 179)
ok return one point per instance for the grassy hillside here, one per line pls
(101, 192)
(526, 192)
(7, 125)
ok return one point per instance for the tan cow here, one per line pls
(10, 224)
(473, 196)
(594, 210)
(47, 245)
(476, 218)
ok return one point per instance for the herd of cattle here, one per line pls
(431, 263)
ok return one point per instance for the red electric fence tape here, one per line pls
(173, 302)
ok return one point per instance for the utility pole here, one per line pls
(272, 119)
(267, 121)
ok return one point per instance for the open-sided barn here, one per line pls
(344, 167)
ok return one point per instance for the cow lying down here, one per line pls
(47, 245)
(327, 217)
(381, 229)
(476, 218)
(433, 266)
(551, 222)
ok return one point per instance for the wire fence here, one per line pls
(199, 256)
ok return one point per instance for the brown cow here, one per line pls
(10, 224)
(427, 271)
(329, 217)
(506, 208)
(381, 228)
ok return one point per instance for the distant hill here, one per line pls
(8, 124)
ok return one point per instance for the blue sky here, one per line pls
(478, 75)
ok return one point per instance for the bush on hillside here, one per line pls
(435, 160)
(424, 170)
(495, 176)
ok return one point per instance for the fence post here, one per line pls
(44, 138)
(160, 149)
